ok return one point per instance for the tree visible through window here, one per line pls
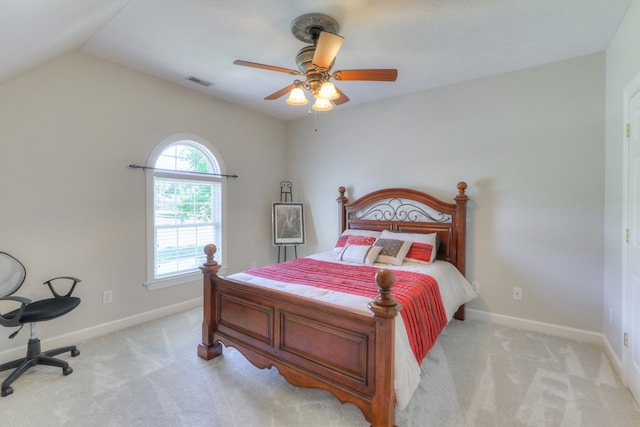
(186, 208)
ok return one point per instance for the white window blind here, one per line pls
(186, 209)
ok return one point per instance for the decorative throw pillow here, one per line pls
(359, 254)
(423, 246)
(361, 240)
(342, 240)
(421, 253)
(393, 251)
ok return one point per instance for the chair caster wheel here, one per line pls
(75, 353)
(66, 371)
(6, 391)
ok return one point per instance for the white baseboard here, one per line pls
(75, 337)
(550, 329)
(613, 357)
(535, 326)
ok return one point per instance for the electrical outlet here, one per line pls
(253, 264)
(476, 287)
(107, 297)
(517, 294)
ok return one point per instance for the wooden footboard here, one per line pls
(312, 344)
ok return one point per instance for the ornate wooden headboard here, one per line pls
(406, 210)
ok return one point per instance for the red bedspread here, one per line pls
(422, 310)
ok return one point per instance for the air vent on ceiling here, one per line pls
(199, 81)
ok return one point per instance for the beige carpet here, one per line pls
(477, 374)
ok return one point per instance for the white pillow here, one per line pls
(359, 254)
(423, 248)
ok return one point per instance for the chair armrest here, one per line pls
(15, 319)
(68, 294)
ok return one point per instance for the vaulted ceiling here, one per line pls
(430, 42)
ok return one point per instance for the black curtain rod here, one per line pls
(184, 172)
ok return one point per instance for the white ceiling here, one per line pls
(431, 42)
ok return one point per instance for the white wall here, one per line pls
(530, 144)
(623, 64)
(71, 206)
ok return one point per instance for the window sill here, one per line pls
(167, 282)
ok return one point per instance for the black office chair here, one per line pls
(12, 275)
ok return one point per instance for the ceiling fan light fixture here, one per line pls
(322, 104)
(297, 97)
(315, 62)
(328, 91)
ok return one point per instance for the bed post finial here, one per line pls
(210, 265)
(462, 186)
(385, 305)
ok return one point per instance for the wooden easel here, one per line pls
(286, 195)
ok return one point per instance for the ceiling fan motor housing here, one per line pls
(304, 59)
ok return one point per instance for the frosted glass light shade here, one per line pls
(322, 104)
(328, 91)
(296, 97)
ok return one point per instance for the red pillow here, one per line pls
(355, 235)
(420, 252)
(360, 240)
(342, 240)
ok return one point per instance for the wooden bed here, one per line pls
(298, 335)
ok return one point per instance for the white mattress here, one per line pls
(454, 289)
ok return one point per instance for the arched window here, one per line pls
(185, 201)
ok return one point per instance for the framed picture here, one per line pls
(288, 224)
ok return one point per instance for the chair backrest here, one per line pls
(12, 274)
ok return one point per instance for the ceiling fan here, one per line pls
(315, 62)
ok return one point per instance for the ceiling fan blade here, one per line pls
(266, 67)
(326, 49)
(381, 75)
(279, 93)
(341, 99)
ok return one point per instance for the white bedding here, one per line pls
(454, 289)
